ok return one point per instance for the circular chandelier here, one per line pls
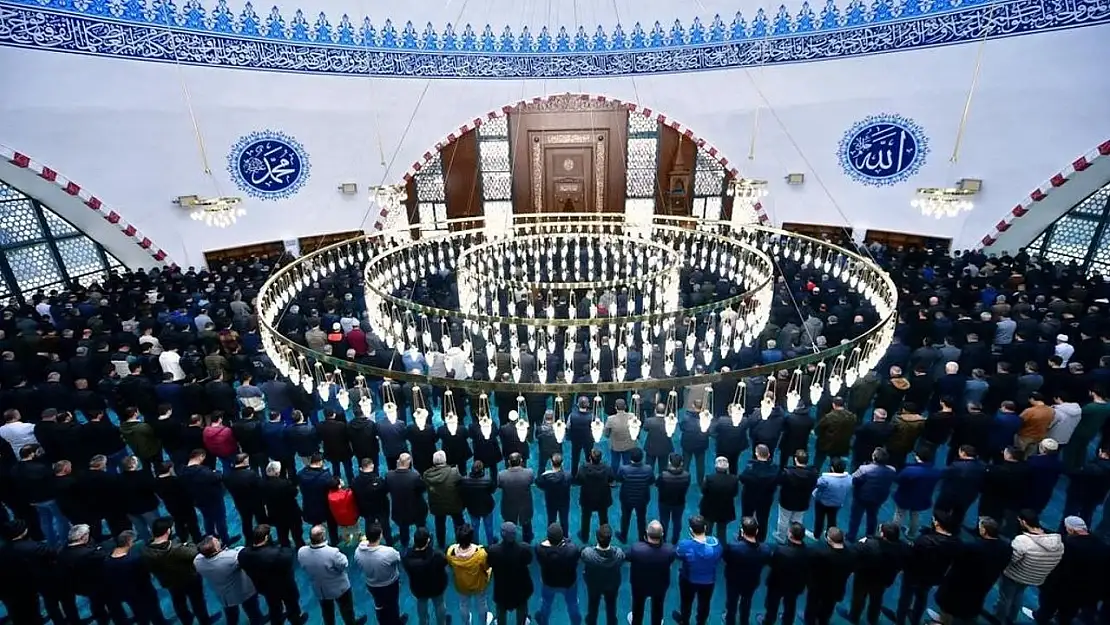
(220, 212)
(593, 289)
(941, 203)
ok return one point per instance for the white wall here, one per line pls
(122, 129)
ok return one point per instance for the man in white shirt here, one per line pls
(16, 432)
(170, 361)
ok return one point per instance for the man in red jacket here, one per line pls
(219, 441)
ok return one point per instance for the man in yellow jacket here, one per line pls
(470, 565)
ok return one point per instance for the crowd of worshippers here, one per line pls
(121, 400)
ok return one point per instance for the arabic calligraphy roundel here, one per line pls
(268, 165)
(883, 150)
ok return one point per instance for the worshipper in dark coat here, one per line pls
(131, 581)
(455, 445)
(636, 480)
(555, 483)
(732, 440)
(103, 498)
(408, 505)
(243, 484)
(277, 444)
(422, 445)
(718, 500)
(336, 441)
(960, 484)
(516, 499)
(1045, 468)
(509, 562)
(797, 427)
(206, 490)
(694, 442)
(976, 566)
(1088, 487)
(1003, 487)
(834, 433)
(363, 434)
(488, 450)
(932, 555)
(27, 571)
(870, 436)
(1074, 587)
(248, 433)
(427, 571)
(279, 494)
(511, 443)
(372, 498)
(596, 494)
(270, 568)
(315, 482)
(302, 436)
(657, 445)
(759, 479)
(177, 501)
(79, 572)
(879, 560)
(744, 564)
(394, 440)
(650, 577)
(972, 427)
(767, 431)
(789, 572)
(830, 566)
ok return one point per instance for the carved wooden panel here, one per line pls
(460, 167)
(568, 123)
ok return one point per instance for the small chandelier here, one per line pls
(747, 189)
(389, 197)
(941, 203)
(219, 212)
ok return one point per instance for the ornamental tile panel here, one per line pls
(297, 41)
(34, 267)
(19, 223)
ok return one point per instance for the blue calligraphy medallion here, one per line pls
(268, 165)
(883, 150)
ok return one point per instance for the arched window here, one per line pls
(41, 251)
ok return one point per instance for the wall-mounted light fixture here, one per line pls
(348, 188)
(795, 179)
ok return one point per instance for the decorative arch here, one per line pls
(73, 202)
(1042, 197)
(632, 107)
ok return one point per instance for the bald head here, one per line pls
(404, 461)
(654, 532)
(318, 535)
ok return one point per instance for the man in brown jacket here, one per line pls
(834, 433)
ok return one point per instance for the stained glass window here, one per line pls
(41, 250)
(641, 171)
(1081, 235)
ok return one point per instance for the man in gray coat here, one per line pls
(620, 439)
(219, 567)
(327, 570)
(516, 502)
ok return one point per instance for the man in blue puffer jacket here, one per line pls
(699, 556)
(916, 483)
(870, 487)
